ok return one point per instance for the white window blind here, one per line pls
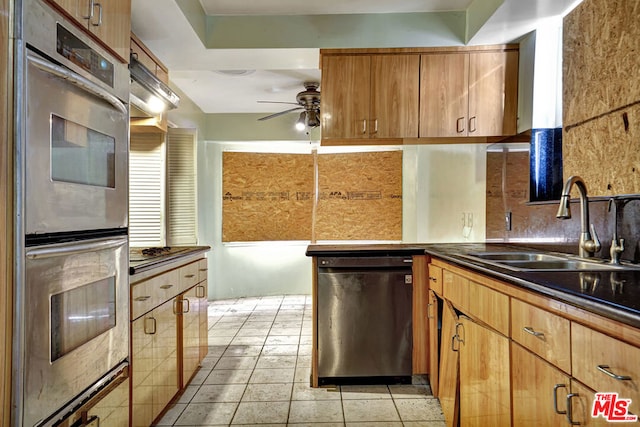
(146, 190)
(181, 188)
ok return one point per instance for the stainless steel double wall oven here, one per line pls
(72, 292)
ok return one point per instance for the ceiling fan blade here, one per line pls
(279, 114)
(277, 102)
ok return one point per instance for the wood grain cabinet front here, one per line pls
(108, 21)
(469, 94)
(369, 96)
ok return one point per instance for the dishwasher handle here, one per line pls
(376, 262)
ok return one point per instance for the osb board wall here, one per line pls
(266, 196)
(360, 196)
(601, 96)
(272, 196)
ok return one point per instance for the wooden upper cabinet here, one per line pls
(469, 94)
(108, 21)
(344, 105)
(493, 93)
(394, 96)
(370, 96)
(444, 82)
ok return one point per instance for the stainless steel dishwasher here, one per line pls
(364, 319)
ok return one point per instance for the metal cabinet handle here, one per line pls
(429, 316)
(154, 326)
(90, 15)
(99, 15)
(605, 369)
(555, 398)
(433, 279)
(472, 124)
(530, 330)
(200, 288)
(166, 286)
(460, 128)
(204, 269)
(570, 410)
(143, 298)
(375, 126)
(93, 421)
(364, 126)
(453, 340)
(190, 276)
(188, 306)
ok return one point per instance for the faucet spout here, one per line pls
(589, 243)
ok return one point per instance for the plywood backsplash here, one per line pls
(601, 96)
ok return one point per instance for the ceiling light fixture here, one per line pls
(301, 123)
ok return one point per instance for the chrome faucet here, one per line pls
(617, 246)
(589, 243)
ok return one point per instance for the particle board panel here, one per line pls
(360, 196)
(601, 96)
(266, 196)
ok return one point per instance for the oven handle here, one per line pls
(79, 81)
(72, 248)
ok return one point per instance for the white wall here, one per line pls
(441, 182)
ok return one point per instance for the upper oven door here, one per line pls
(76, 152)
(76, 320)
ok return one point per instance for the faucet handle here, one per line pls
(616, 250)
(593, 245)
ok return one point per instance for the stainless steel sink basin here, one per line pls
(536, 261)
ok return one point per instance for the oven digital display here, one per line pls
(81, 314)
(81, 155)
(76, 51)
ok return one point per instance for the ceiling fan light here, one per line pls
(301, 123)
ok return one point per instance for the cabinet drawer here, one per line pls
(142, 299)
(456, 289)
(542, 332)
(188, 276)
(489, 306)
(165, 286)
(202, 269)
(435, 279)
(593, 353)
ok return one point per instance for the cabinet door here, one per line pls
(493, 93)
(346, 85)
(420, 356)
(434, 342)
(395, 96)
(444, 81)
(142, 367)
(190, 303)
(80, 10)
(113, 409)
(111, 22)
(448, 388)
(535, 382)
(165, 356)
(203, 315)
(485, 389)
(581, 401)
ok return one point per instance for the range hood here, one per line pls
(149, 96)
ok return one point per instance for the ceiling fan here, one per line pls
(308, 101)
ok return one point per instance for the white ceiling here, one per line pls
(277, 74)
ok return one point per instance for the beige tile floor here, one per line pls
(257, 373)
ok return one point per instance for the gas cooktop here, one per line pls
(147, 254)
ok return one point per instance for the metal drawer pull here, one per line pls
(204, 269)
(144, 298)
(605, 369)
(530, 330)
(570, 410)
(433, 279)
(166, 286)
(190, 276)
(555, 398)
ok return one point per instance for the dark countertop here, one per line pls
(380, 249)
(613, 294)
(178, 253)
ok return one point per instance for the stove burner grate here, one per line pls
(156, 251)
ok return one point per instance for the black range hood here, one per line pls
(149, 96)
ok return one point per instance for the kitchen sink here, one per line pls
(537, 261)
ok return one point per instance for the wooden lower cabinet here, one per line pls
(485, 385)
(420, 321)
(448, 387)
(203, 316)
(539, 390)
(434, 342)
(154, 363)
(190, 341)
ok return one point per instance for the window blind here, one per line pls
(146, 190)
(181, 187)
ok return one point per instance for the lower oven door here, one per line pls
(76, 320)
